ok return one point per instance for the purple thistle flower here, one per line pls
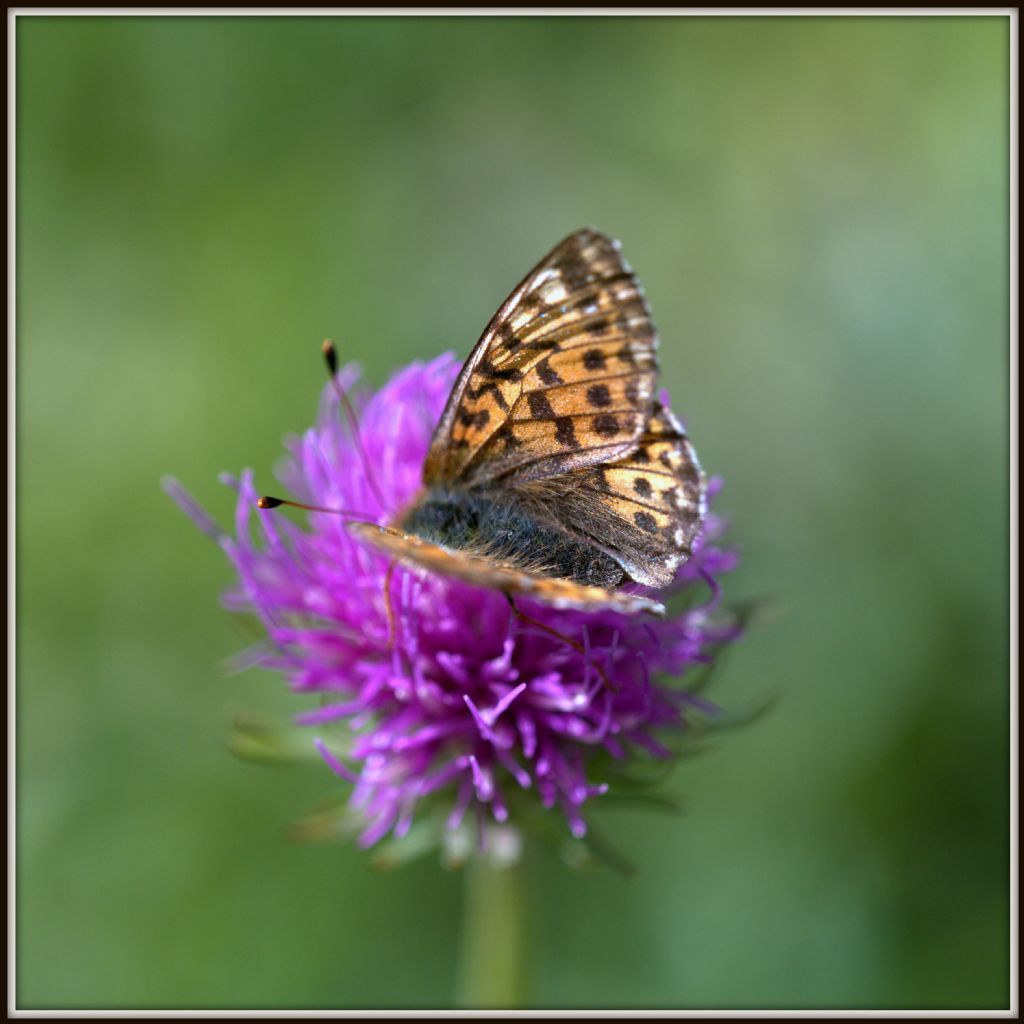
(467, 703)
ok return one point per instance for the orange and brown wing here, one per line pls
(484, 572)
(562, 377)
(644, 510)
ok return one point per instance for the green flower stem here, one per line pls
(491, 945)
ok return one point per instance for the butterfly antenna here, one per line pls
(331, 359)
(267, 501)
(529, 620)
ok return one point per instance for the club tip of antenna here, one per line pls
(330, 354)
(266, 501)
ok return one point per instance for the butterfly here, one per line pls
(554, 472)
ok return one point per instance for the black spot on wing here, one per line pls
(508, 336)
(565, 432)
(476, 419)
(574, 273)
(504, 373)
(540, 407)
(476, 393)
(548, 376)
(645, 521)
(606, 424)
(507, 437)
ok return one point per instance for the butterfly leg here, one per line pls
(389, 610)
(529, 620)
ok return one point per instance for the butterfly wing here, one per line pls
(562, 378)
(645, 510)
(484, 572)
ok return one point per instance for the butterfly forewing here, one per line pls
(551, 431)
(507, 579)
(561, 378)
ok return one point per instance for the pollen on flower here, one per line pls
(463, 705)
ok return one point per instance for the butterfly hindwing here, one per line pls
(562, 377)
(645, 510)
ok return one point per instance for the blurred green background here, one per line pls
(818, 210)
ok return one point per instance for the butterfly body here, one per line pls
(499, 528)
(554, 472)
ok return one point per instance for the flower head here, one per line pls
(459, 703)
